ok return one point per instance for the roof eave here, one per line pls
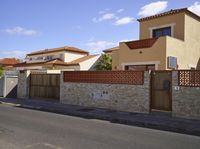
(185, 10)
(34, 54)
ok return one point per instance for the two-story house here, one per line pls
(170, 40)
(63, 58)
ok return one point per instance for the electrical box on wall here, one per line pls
(100, 95)
(172, 62)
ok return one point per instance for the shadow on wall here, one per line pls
(8, 86)
(12, 93)
(93, 67)
(198, 64)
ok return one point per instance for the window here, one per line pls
(162, 32)
(39, 58)
(49, 57)
(140, 67)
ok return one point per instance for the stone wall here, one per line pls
(23, 84)
(131, 98)
(185, 100)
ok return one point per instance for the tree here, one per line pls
(1, 71)
(105, 63)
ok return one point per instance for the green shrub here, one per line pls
(1, 71)
(105, 63)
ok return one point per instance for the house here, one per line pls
(170, 40)
(111, 50)
(56, 59)
(8, 63)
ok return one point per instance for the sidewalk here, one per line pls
(154, 120)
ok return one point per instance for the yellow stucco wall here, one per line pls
(176, 48)
(177, 20)
(115, 60)
(192, 39)
(187, 52)
(126, 56)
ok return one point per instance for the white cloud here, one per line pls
(120, 10)
(153, 8)
(96, 47)
(114, 17)
(107, 16)
(21, 31)
(15, 53)
(126, 40)
(195, 8)
(124, 20)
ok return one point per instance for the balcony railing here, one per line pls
(139, 44)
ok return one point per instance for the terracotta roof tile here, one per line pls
(9, 61)
(51, 62)
(171, 12)
(66, 48)
(56, 62)
(138, 44)
(111, 49)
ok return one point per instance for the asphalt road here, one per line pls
(29, 129)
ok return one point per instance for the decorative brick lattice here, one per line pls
(189, 78)
(105, 77)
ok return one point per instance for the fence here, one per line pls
(105, 77)
(45, 86)
(117, 90)
(189, 78)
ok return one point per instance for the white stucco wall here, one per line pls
(88, 64)
(69, 56)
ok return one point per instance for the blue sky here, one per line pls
(92, 25)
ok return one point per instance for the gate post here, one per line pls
(23, 84)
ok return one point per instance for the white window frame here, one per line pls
(162, 26)
(156, 63)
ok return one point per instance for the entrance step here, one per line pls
(161, 113)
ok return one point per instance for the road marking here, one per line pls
(43, 144)
(8, 103)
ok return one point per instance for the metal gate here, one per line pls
(161, 90)
(45, 86)
(8, 84)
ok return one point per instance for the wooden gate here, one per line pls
(45, 86)
(161, 90)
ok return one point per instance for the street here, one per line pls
(29, 129)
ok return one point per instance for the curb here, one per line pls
(10, 104)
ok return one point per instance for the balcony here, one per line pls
(139, 44)
(150, 43)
